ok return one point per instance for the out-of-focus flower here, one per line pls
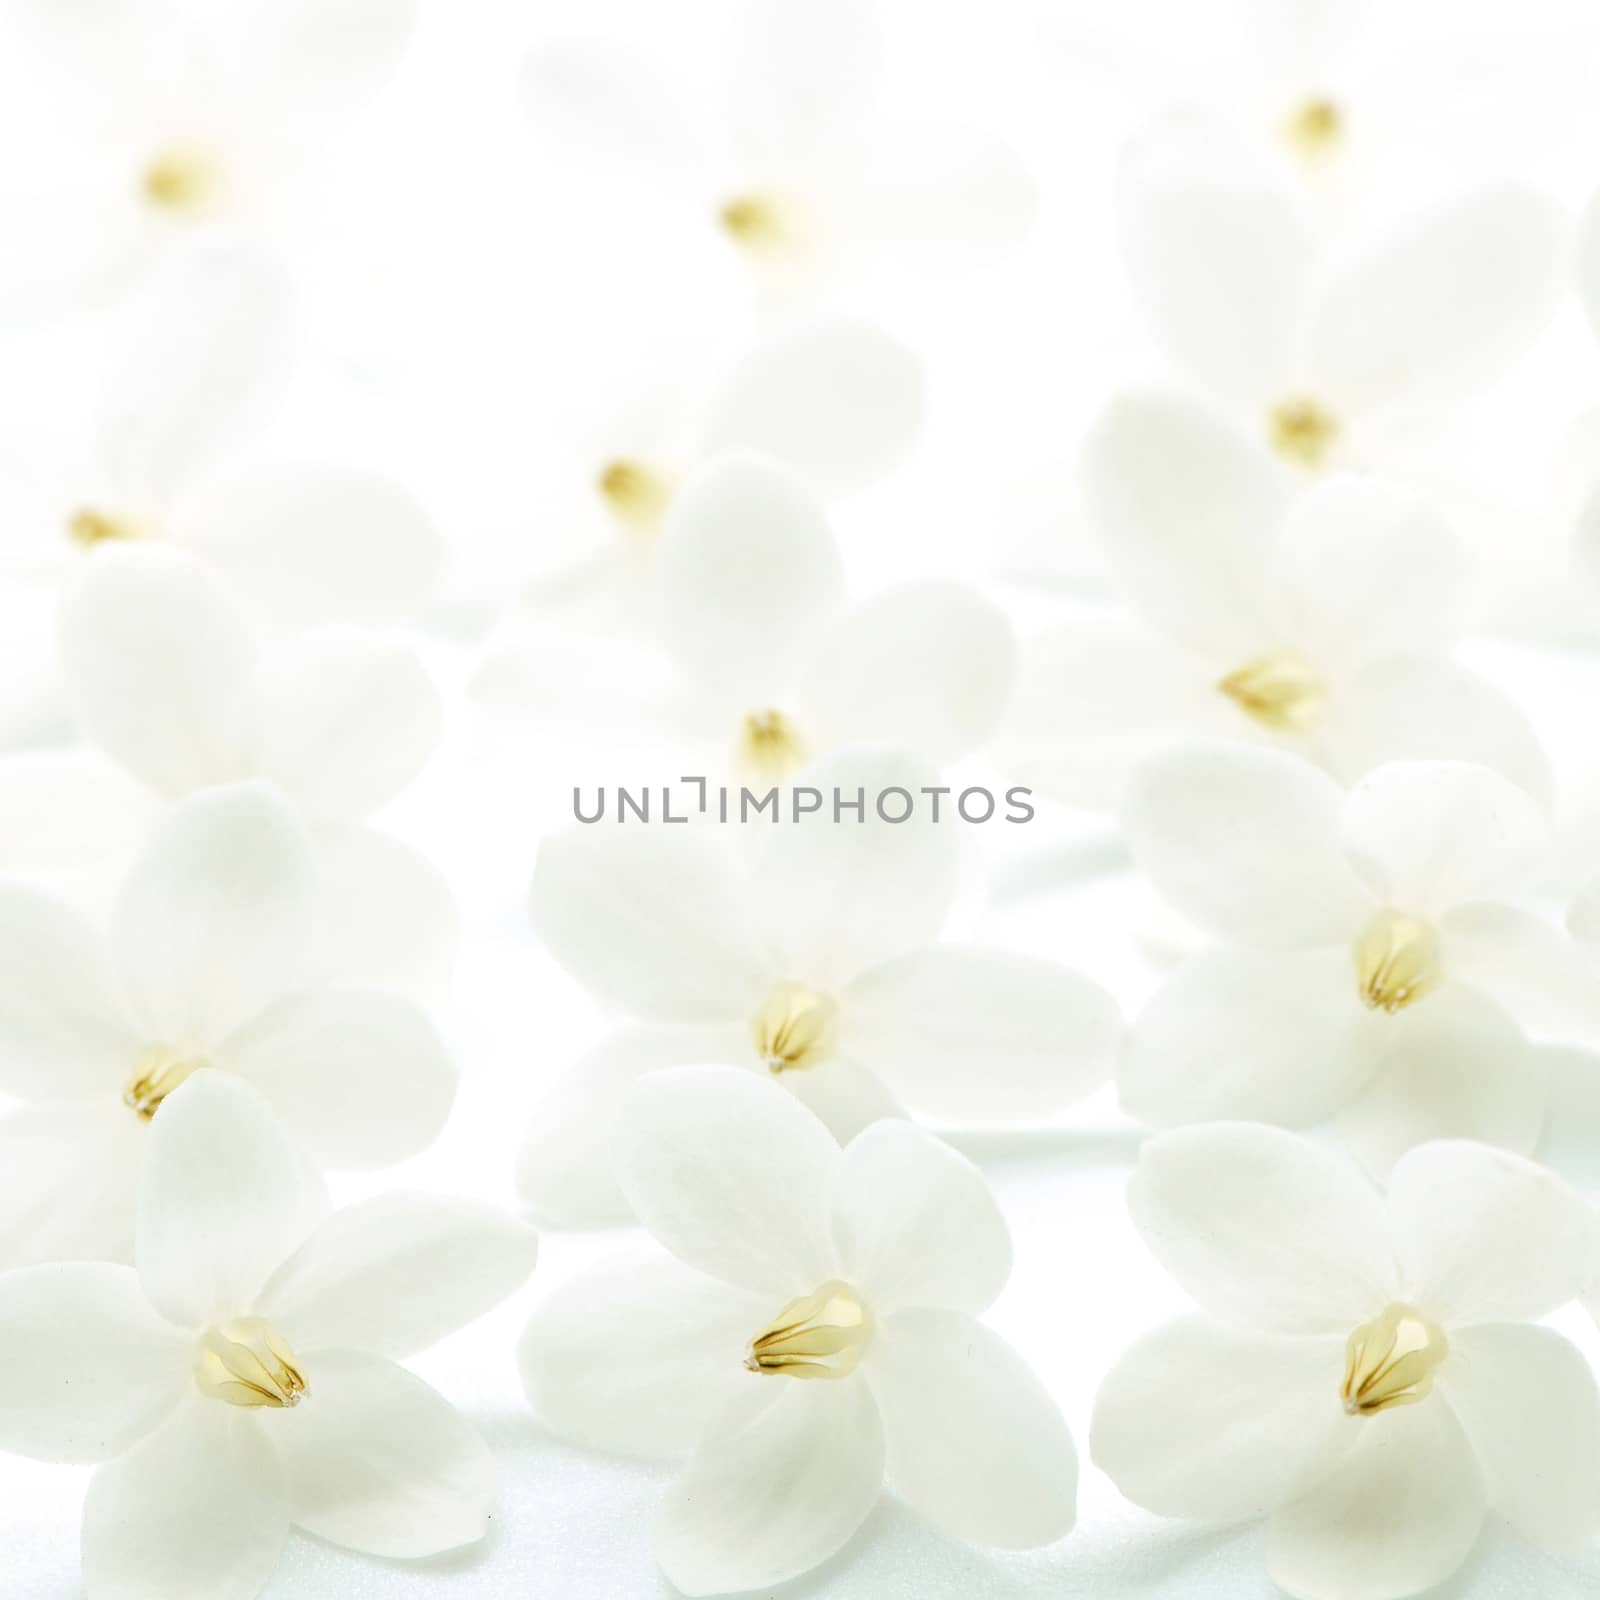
(243, 1378)
(205, 968)
(1374, 954)
(792, 169)
(1363, 1372)
(147, 123)
(1318, 620)
(861, 1273)
(814, 962)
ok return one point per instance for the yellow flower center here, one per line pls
(247, 1362)
(182, 181)
(760, 223)
(158, 1072)
(1391, 1361)
(1301, 431)
(794, 1028)
(1315, 128)
(1281, 690)
(636, 495)
(823, 1334)
(769, 747)
(88, 527)
(1397, 961)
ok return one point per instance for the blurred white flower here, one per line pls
(790, 166)
(1373, 952)
(205, 967)
(146, 123)
(813, 961)
(860, 1272)
(1363, 1372)
(1319, 620)
(165, 676)
(243, 1378)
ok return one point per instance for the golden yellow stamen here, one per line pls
(1302, 431)
(636, 494)
(182, 181)
(1281, 690)
(88, 527)
(756, 222)
(794, 1028)
(156, 1075)
(820, 1335)
(1391, 1361)
(1397, 961)
(247, 1362)
(1315, 127)
(769, 747)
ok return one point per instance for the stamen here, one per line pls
(247, 1362)
(182, 181)
(1397, 961)
(757, 222)
(1315, 128)
(88, 527)
(1391, 1361)
(1302, 431)
(769, 747)
(636, 494)
(1281, 690)
(821, 1335)
(794, 1028)
(157, 1074)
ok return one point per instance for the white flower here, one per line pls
(1334, 362)
(800, 178)
(1318, 619)
(813, 961)
(148, 123)
(861, 1270)
(243, 1378)
(1374, 952)
(204, 968)
(207, 360)
(165, 676)
(1362, 1371)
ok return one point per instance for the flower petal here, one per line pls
(1202, 1420)
(781, 1480)
(731, 1175)
(1246, 843)
(208, 1467)
(915, 1224)
(396, 1273)
(316, 544)
(651, 922)
(1455, 1068)
(1530, 965)
(1187, 511)
(975, 1443)
(1442, 304)
(86, 1366)
(157, 663)
(345, 721)
(1366, 570)
(212, 920)
(226, 1196)
(750, 575)
(839, 403)
(362, 1077)
(634, 1354)
(1396, 1516)
(375, 1460)
(1486, 1236)
(843, 1096)
(1430, 835)
(1527, 1401)
(566, 1169)
(926, 667)
(1259, 1035)
(974, 1035)
(62, 1033)
(1264, 1228)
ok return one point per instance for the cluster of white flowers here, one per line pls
(372, 490)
